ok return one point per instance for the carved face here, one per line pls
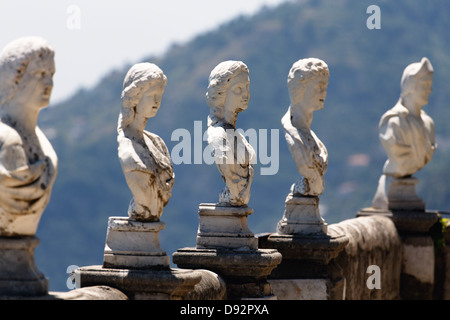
(422, 90)
(238, 94)
(316, 93)
(37, 84)
(151, 100)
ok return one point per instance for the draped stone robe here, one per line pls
(25, 182)
(408, 140)
(310, 156)
(149, 174)
(234, 158)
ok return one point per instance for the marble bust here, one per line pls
(406, 131)
(143, 155)
(307, 84)
(227, 95)
(28, 162)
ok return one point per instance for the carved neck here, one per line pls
(22, 118)
(226, 119)
(301, 117)
(136, 128)
(230, 118)
(412, 105)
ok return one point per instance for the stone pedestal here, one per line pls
(301, 216)
(308, 252)
(397, 199)
(135, 264)
(19, 276)
(132, 244)
(226, 246)
(222, 226)
(397, 194)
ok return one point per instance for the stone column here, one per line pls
(413, 223)
(406, 133)
(19, 276)
(226, 246)
(308, 270)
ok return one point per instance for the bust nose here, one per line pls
(49, 81)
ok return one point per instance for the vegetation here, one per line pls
(365, 67)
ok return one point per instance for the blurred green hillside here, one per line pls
(365, 69)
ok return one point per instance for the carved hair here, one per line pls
(219, 83)
(411, 72)
(14, 61)
(138, 78)
(304, 71)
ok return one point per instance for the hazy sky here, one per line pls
(92, 37)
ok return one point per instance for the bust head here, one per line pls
(26, 72)
(307, 82)
(228, 89)
(143, 87)
(416, 82)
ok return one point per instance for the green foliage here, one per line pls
(437, 233)
(365, 67)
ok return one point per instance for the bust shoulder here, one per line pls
(9, 136)
(216, 134)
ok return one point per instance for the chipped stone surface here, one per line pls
(418, 258)
(373, 240)
(299, 289)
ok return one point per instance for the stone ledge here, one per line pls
(229, 262)
(406, 220)
(314, 247)
(151, 284)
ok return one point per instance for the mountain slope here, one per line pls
(365, 70)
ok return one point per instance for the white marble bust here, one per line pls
(28, 163)
(143, 155)
(227, 95)
(406, 131)
(307, 83)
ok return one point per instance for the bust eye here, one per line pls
(237, 90)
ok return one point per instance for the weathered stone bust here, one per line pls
(227, 95)
(143, 155)
(406, 131)
(307, 84)
(28, 163)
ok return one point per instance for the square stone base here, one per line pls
(301, 216)
(132, 244)
(222, 226)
